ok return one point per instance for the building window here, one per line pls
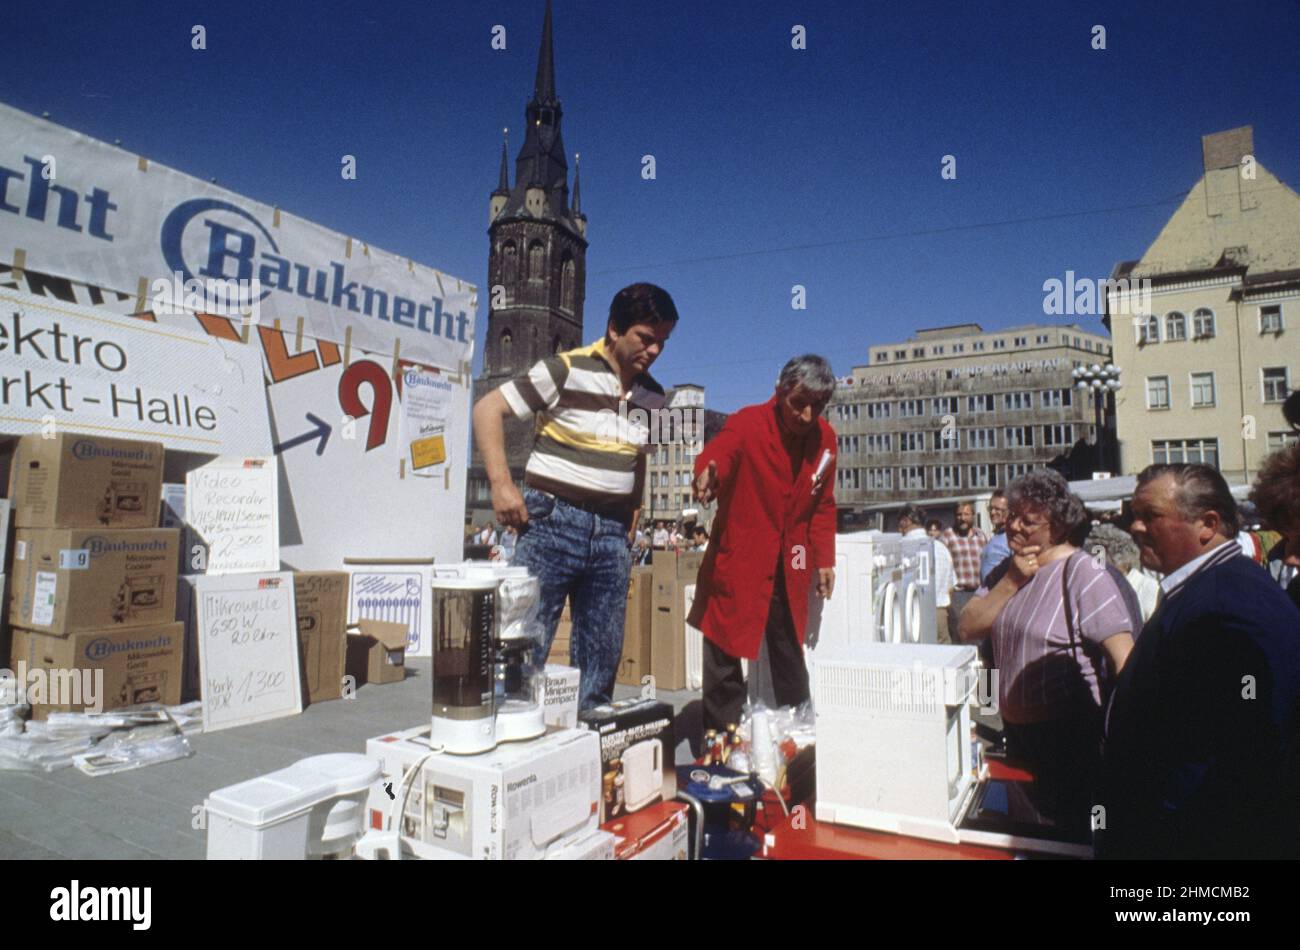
(507, 355)
(977, 345)
(880, 479)
(1041, 338)
(654, 479)
(1016, 469)
(983, 476)
(1173, 451)
(877, 410)
(1149, 330)
(882, 356)
(947, 476)
(918, 352)
(937, 351)
(911, 441)
(568, 281)
(1015, 402)
(911, 407)
(947, 439)
(1175, 326)
(536, 261)
(1157, 392)
(1270, 319)
(1057, 398)
(999, 344)
(1019, 437)
(509, 265)
(982, 439)
(1277, 441)
(1058, 435)
(912, 476)
(1203, 324)
(1202, 390)
(959, 347)
(880, 442)
(1276, 384)
(1022, 341)
(985, 403)
(945, 406)
(900, 354)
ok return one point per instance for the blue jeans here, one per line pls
(583, 557)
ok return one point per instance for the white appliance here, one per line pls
(643, 773)
(695, 645)
(916, 585)
(518, 801)
(894, 750)
(312, 809)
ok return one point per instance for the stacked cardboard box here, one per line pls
(559, 653)
(671, 573)
(94, 581)
(635, 661)
(321, 598)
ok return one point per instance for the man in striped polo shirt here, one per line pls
(584, 478)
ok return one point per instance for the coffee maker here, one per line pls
(486, 685)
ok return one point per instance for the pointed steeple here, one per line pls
(544, 87)
(576, 202)
(503, 186)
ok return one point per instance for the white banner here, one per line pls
(87, 370)
(78, 208)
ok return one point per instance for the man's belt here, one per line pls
(621, 513)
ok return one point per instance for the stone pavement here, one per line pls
(149, 813)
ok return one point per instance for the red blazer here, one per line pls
(762, 515)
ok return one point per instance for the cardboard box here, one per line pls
(322, 602)
(597, 846)
(688, 565)
(84, 481)
(138, 664)
(377, 652)
(6, 522)
(191, 678)
(72, 579)
(561, 707)
(635, 661)
(520, 801)
(657, 833)
(637, 754)
(668, 639)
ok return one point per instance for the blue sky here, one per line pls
(775, 166)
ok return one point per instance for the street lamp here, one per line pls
(1103, 381)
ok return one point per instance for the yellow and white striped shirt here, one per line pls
(588, 439)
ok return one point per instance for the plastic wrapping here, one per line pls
(518, 600)
(141, 746)
(28, 753)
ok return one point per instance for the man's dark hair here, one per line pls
(640, 303)
(934, 523)
(1200, 489)
(914, 514)
(998, 493)
(1291, 410)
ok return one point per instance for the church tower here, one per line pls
(537, 261)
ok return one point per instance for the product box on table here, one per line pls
(637, 754)
(72, 579)
(83, 481)
(656, 833)
(522, 800)
(139, 665)
(562, 684)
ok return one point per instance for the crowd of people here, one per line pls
(1148, 666)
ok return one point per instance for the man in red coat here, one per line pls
(772, 469)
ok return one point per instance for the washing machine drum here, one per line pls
(889, 622)
(912, 611)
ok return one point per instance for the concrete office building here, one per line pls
(1208, 363)
(959, 411)
(681, 431)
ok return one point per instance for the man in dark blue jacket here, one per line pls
(1202, 753)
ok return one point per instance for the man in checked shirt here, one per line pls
(966, 545)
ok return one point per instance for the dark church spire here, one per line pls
(544, 87)
(576, 203)
(503, 187)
